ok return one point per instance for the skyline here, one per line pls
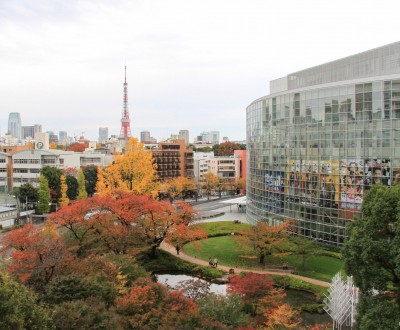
(190, 65)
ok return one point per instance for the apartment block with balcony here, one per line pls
(173, 160)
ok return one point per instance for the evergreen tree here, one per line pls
(44, 195)
(82, 194)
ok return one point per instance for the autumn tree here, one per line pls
(78, 147)
(44, 195)
(241, 185)
(256, 290)
(133, 171)
(36, 253)
(283, 317)
(82, 194)
(64, 200)
(123, 223)
(150, 305)
(225, 149)
(263, 238)
(182, 234)
(210, 183)
(178, 187)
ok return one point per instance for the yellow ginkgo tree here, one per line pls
(132, 171)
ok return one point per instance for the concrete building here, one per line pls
(225, 167)
(201, 164)
(173, 159)
(63, 137)
(103, 135)
(14, 125)
(184, 135)
(30, 131)
(210, 137)
(146, 138)
(5, 170)
(321, 138)
(26, 165)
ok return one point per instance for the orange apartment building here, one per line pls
(173, 159)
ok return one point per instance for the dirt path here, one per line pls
(183, 256)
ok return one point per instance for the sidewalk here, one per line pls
(169, 248)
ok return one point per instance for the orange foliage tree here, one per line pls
(123, 224)
(150, 305)
(36, 253)
(256, 290)
(78, 147)
(182, 234)
(283, 317)
(263, 238)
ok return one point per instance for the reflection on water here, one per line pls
(295, 298)
(173, 280)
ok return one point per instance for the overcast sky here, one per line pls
(192, 65)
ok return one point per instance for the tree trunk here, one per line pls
(262, 257)
(177, 249)
(153, 252)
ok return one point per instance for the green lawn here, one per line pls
(223, 227)
(230, 254)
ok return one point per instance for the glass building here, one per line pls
(321, 139)
(14, 125)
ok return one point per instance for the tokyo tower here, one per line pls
(125, 121)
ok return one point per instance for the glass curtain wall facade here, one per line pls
(314, 149)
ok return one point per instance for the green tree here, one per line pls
(72, 183)
(304, 248)
(225, 309)
(372, 254)
(26, 193)
(19, 307)
(53, 175)
(90, 173)
(377, 312)
(44, 195)
(82, 194)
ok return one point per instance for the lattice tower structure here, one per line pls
(125, 121)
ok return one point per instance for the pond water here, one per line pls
(173, 280)
(295, 298)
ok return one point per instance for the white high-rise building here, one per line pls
(14, 125)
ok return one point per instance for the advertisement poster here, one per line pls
(313, 183)
(351, 184)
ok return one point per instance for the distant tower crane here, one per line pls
(125, 121)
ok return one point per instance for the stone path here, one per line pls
(169, 248)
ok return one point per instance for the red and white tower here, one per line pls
(125, 121)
